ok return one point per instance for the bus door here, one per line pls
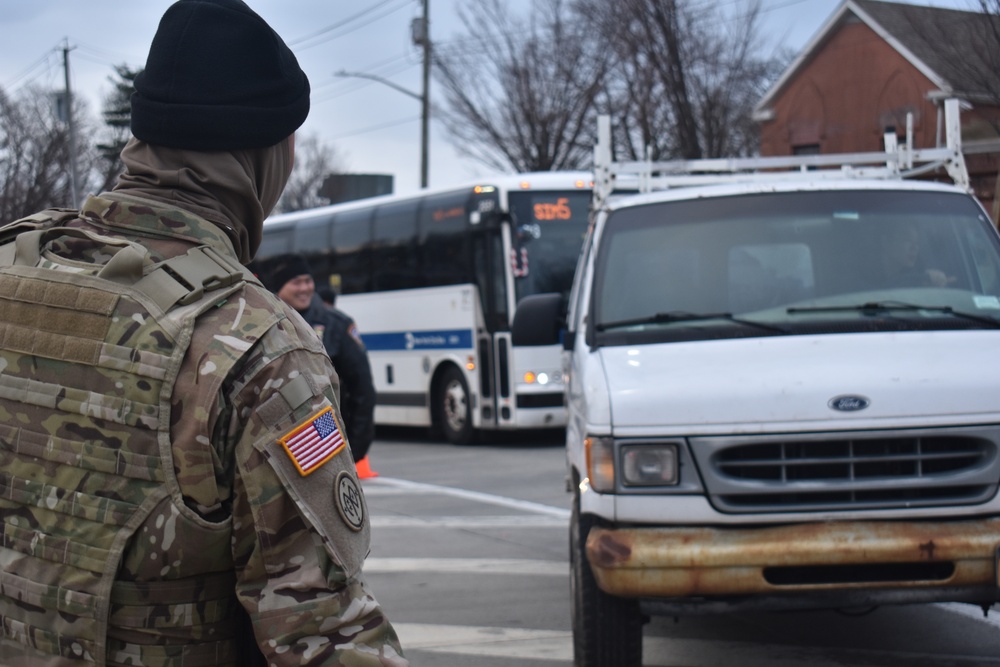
(490, 266)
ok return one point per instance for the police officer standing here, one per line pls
(169, 433)
(289, 277)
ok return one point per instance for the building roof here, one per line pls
(955, 49)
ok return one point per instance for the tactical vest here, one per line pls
(87, 366)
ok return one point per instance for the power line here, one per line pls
(375, 128)
(353, 29)
(301, 42)
(83, 55)
(45, 61)
(110, 58)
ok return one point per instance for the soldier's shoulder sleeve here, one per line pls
(301, 526)
(293, 423)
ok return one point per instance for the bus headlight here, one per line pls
(649, 465)
(600, 463)
(542, 377)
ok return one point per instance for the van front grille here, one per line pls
(850, 471)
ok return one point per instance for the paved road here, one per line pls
(469, 558)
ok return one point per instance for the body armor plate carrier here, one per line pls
(87, 366)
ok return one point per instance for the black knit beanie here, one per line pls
(218, 78)
(282, 269)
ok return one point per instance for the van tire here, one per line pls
(453, 407)
(607, 630)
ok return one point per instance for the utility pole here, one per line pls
(420, 32)
(422, 37)
(71, 149)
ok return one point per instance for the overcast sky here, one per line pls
(373, 128)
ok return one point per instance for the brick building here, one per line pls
(871, 65)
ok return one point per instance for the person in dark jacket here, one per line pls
(290, 279)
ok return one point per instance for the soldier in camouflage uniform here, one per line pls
(175, 486)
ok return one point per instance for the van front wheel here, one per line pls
(607, 631)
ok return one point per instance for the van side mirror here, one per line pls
(537, 320)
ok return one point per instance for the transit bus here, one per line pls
(433, 280)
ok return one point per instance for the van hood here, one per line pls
(796, 383)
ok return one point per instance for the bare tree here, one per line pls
(521, 95)
(117, 113)
(992, 51)
(687, 75)
(35, 154)
(679, 78)
(973, 54)
(314, 161)
(964, 47)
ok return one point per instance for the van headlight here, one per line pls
(649, 465)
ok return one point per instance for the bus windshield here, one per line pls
(547, 230)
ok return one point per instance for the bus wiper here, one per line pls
(680, 316)
(876, 307)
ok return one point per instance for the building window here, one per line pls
(806, 149)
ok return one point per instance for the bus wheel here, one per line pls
(607, 631)
(454, 410)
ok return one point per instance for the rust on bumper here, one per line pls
(679, 562)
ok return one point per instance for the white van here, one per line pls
(783, 394)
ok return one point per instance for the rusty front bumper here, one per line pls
(680, 562)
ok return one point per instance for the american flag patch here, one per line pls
(313, 443)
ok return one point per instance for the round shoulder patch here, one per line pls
(349, 502)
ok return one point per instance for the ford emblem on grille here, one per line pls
(849, 403)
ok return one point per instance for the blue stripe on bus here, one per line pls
(419, 340)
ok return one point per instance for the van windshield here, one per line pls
(795, 263)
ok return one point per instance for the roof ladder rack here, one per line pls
(896, 161)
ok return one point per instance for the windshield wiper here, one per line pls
(680, 316)
(876, 307)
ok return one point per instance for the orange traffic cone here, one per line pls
(364, 470)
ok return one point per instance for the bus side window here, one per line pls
(276, 242)
(395, 260)
(312, 240)
(444, 239)
(351, 256)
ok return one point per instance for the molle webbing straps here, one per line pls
(185, 279)
(178, 281)
(125, 267)
(48, 218)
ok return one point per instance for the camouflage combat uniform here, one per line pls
(149, 491)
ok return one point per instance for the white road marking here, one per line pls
(972, 611)
(512, 566)
(470, 522)
(486, 641)
(486, 498)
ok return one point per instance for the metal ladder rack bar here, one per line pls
(896, 161)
